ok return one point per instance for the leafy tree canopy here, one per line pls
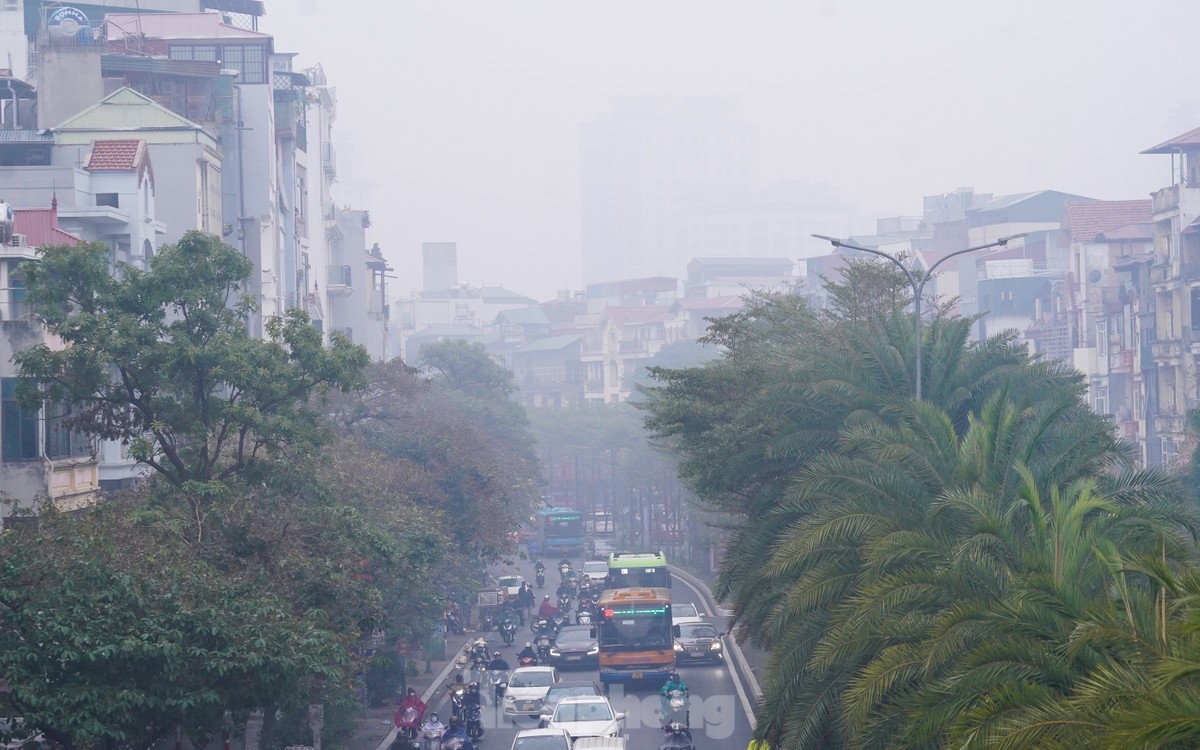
(162, 361)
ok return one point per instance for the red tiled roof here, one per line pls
(1086, 220)
(116, 155)
(40, 227)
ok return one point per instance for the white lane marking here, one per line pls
(737, 652)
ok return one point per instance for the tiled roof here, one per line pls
(116, 155)
(40, 227)
(1128, 232)
(174, 26)
(1086, 220)
(25, 135)
(126, 109)
(1190, 138)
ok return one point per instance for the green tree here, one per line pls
(162, 361)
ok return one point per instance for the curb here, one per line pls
(436, 685)
(739, 658)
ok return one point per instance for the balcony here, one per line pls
(1169, 351)
(340, 281)
(1120, 361)
(593, 386)
(1169, 424)
(1166, 200)
(633, 347)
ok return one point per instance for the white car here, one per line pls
(595, 571)
(680, 610)
(510, 583)
(541, 739)
(527, 686)
(586, 716)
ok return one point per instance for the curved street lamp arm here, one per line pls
(997, 243)
(839, 243)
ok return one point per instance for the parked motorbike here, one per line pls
(453, 626)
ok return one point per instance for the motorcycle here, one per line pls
(508, 631)
(563, 569)
(498, 679)
(431, 735)
(583, 617)
(527, 661)
(410, 722)
(456, 703)
(564, 604)
(677, 737)
(542, 643)
(538, 625)
(540, 577)
(474, 722)
(675, 708)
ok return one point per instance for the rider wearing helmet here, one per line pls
(497, 663)
(527, 652)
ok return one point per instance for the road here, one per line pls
(720, 701)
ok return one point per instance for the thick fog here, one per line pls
(459, 120)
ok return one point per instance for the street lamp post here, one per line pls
(917, 279)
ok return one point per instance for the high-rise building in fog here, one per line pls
(645, 165)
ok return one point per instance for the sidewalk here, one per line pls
(375, 730)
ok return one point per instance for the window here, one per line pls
(1101, 401)
(1102, 338)
(62, 442)
(16, 292)
(203, 52)
(108, 199)
(250, 60)
(18, 426)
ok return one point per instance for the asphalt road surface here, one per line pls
(720, 702)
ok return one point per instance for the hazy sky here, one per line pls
(458, 120)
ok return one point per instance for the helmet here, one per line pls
(528, 644)
(473, 687)
(496, 655)
(546, 598)
(673, 676)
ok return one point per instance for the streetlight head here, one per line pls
(831, 240)
(1005, 240)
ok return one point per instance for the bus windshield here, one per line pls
(632, 578)
(648, 626)
(564, 524)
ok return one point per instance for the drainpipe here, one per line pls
(13, 92)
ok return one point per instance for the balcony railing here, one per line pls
(593, 386)
(1166, 424)
(1171, 349)
(1166, 199)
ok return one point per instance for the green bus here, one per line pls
(638, 570)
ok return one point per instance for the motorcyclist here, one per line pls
(456, 736)
(527, 653)
(497, 663)
(412, 706)
(564, 590)
(674, 682)
(539, 566)
(473, 699)
(547, 611)
(432, 726)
